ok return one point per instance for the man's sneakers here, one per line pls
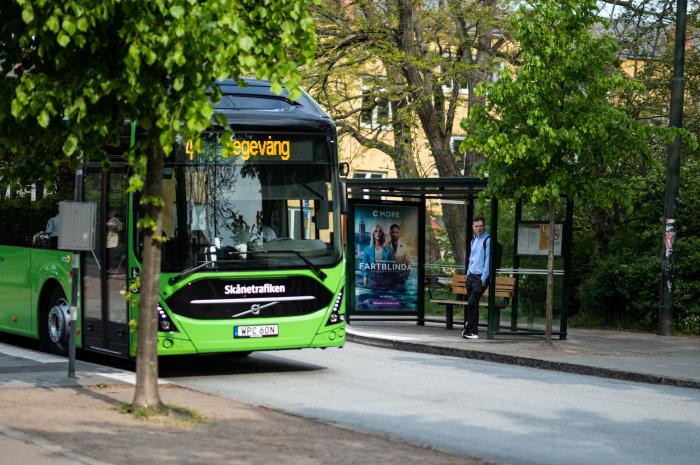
(469, 335)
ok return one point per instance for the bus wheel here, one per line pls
(56, 323)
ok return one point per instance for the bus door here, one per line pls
(105, 317)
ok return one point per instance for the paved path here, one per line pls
(46, 418)
(613, 354)
(501, 413)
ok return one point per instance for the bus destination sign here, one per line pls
(263, 148)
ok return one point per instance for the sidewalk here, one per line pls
(49, 419)
(641, 357)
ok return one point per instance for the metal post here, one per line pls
(350, 261)
(75, 280)
(493, 233)
(73, 314)
(672, 173)
(567, 241)
(421, 263)
(516, 267)
(469, 231)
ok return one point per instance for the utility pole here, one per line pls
(672, 172)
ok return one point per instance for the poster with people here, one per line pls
(386, 257)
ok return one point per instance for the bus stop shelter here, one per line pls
(418, 192)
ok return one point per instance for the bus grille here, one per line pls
(222, 298)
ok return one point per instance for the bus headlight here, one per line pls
(164, 322)
(335, 316)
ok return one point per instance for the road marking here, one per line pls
(29, 354)
(126, 377)
(389, 337)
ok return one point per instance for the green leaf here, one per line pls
(17, 109)
(63, 39)
(155, 200)
(276, 87)
(83, 24)
(70, 145)
(52, 24)
(178, 83)
(248, 61)
(135, 183)
(245, 43)
(28, 14)
(44, 119)
(68, 26)
(177, 11)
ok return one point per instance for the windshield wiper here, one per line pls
(189, 271)
(312, 266)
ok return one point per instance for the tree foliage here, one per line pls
(418, 58)
(73, 71)
(553, 127)
(631, 237)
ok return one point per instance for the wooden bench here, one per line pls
(504, 292)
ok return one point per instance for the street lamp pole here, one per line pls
(672, 172)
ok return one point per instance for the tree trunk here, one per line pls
(427, 95)
(402, 125)
(402, 156)
(602, 232)
(550, 277)
(146, 393)
(477, 75)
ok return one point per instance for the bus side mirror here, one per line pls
(344, 169)
(343, 198)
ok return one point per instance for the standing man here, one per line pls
(477, 277)
(400, 253)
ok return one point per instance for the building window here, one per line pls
(369, 175)
(448, 89)
(376, 109)
(495, 70)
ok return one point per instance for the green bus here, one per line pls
(253, 258)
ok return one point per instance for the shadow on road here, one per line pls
(231, 364)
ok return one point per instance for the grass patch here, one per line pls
(181, 416)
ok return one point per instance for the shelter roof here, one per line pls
(431, 188)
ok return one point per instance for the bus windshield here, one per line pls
(250, 200)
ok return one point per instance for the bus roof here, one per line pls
(255, 105)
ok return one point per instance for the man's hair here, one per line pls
(479, 218)
(394, 226)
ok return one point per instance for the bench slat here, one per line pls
(504, 288)
(449, 302)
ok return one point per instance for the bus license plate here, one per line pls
(255, 331)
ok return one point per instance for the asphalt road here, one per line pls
(507, 414)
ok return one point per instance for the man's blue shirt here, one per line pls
(479, 257)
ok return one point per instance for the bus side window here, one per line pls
(14, 220)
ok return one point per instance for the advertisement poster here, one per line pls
(533, 239)
(386, 258)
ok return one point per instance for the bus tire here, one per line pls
(55, 321)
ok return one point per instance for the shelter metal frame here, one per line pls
(464, 189)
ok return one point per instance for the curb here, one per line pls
(524, 361)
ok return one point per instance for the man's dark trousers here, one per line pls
(471, 314)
